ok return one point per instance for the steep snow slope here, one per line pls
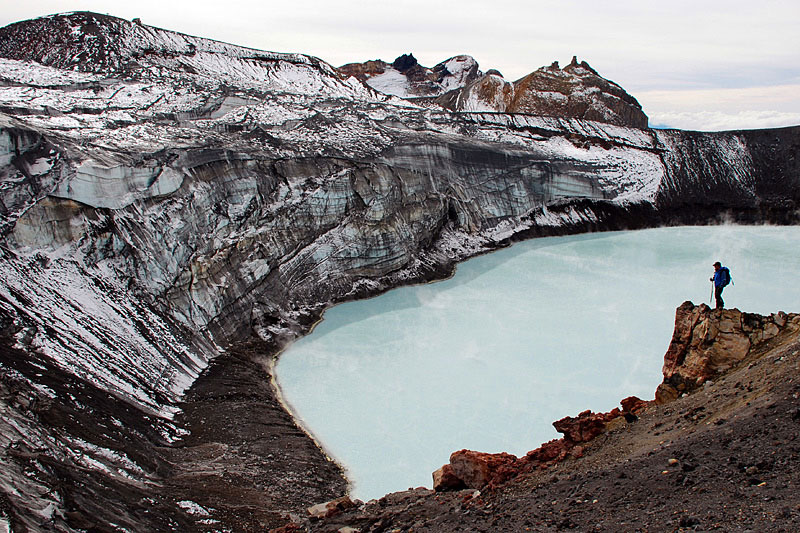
(408, 79)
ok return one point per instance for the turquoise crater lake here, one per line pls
(488, 359)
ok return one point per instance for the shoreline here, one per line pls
(697, 459)
(659, 353)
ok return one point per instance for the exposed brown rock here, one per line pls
(577, 91)
(331, 508)
(365, 70)
(445, 479)
(478, 469)
(708, 342)
(422, 81)
(632, 404)
(585, 426)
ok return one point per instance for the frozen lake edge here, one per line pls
(421, 425)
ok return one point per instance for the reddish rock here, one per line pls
(633, 404)
(333, 507)
(707, 342)
(577, 451)
(548, 453)
(444, 479)
(364, 71)
(478, 469)
(585, 426)
(577, 91)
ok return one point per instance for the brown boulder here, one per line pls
(633, 404)
(444, 479)
(478, 469)
(585, 426)
(331, 508)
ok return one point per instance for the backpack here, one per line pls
(726, 276)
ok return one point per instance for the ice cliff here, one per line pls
(164, 196)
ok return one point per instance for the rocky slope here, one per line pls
(167, 201)
(721, 456)
(576, 91)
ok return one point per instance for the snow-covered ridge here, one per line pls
(457, 84)
(112, 47)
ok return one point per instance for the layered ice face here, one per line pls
(488, 359)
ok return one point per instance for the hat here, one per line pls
(717, 264)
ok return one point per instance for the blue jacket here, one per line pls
(719, 277)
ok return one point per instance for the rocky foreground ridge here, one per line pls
(716, 450)
(173, 210)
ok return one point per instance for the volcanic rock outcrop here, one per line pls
(479, 470)
(706, 343)
(709, 342)
(173, 210)
(576, 91)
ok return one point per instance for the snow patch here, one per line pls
(391, 82)
(193, 508)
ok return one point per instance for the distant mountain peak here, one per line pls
(406, 78)
(576, 91)
(405, 62)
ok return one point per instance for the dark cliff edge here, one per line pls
(174, 210)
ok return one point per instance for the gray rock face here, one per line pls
(175, 195)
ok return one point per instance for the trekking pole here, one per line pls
(711, 298)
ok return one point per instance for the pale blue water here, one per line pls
(514, 341)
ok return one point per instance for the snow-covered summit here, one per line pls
(113, 47)
(406, 78)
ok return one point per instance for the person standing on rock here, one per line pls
(721, 278)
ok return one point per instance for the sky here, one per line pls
(701, 64)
